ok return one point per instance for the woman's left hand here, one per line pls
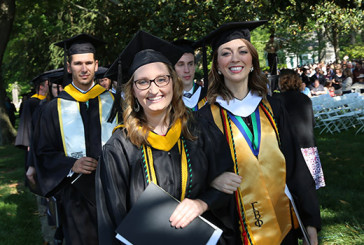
(312, 235)
(187, 211)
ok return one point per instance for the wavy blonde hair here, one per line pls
(134, 120)
(257, 82)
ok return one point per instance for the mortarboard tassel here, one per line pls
(116, 108)
(204, 65)
(65, 73)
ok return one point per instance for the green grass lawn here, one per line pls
(19, 218)
(342, 199)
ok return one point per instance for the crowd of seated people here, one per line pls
(332, 78)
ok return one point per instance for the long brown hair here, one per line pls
(257, 82)
(176, 110)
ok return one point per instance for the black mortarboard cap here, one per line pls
(51, 75)
(38, 79)
(186, 45)
(57, 76)
(80, 44)
(100, 73)
(143, 49)
(228, 32)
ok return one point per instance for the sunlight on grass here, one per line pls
(341, 234)
(8, 208)
(342, 198)
(327, 214)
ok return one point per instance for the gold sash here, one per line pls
(266, 213)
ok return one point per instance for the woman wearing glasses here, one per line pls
(159, 142)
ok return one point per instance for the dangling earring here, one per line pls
(136, 106)
(251, 69)
(219, 72)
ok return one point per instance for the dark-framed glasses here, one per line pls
(160, 81)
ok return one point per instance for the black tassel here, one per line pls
(204, 64)
(116, 107)
(65, 73)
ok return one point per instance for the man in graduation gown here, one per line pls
(25, 128)
(194, 95)
(74, 128)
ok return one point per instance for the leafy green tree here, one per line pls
(335, 21)
(7, 13)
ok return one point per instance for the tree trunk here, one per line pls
(335, 43)
(321, 46)
(352, 38)
(7, 14)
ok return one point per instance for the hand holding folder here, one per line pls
(148, 223)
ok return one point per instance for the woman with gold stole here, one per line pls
(266, 158)
(159, 142)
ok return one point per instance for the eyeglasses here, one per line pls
(160, 81)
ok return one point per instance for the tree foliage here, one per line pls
(334, 22)
(39, 24)
(7, 13)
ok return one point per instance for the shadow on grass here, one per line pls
(19, 220)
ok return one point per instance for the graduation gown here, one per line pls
(302, 121)
(120, 177)
(23, 137)
(298, 178)
(31, 156)
(77, 204)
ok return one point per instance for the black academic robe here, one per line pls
(77, 202)
(31, 156)
(23, 137)
(298, 177)
(120, 177)
(302, 121)
(25, 132)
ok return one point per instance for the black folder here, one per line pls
(148, 223)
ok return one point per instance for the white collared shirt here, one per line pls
(83, 91)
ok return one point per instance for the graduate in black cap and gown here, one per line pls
(53, 78)
(25, 129)
(74, 128)
(266, 157)
(55, 87)
(194, 95)
(102, 80)
(159, 142)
